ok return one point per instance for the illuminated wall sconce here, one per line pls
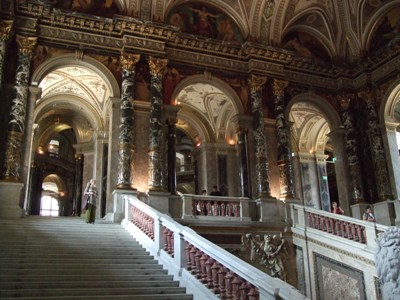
(231, 142)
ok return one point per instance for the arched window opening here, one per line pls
(49, 206)
(53, 148)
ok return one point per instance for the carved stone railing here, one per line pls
(205, 269)
(348, 228)
(205, 207)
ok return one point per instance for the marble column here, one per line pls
(262, 177)
(244, 177)
(5, 32)
(171, 158)
(393, 155)
(377, 149)
(156, 180)
(77, 201)
(283, 142)
(351, 150)
(16, 125)
(126, 128)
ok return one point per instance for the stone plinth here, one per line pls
(9, 202)
(384, 213)
(159, 201)
(270, 209)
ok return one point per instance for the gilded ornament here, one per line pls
(279, 86)
(157, 65)
(256, 82)
(344, 102)
(5, 29)
(128, 61)
(26, 45)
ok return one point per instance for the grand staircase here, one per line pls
(65, 258)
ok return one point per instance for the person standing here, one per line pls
(91, 192)
(368, 215)
(215, 191)
(336, 209)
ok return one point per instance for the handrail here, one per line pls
(212, 268)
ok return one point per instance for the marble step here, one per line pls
(83, 292)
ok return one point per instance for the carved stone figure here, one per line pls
(387, 263)
(270, 251)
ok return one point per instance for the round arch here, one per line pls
(70, 60)
(389, 115)
(195, 119)
(324, 106)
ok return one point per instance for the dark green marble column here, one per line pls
(353, 160)
(156, 178)
(126, 126)
(377, 149)
(260, 144)
(283, 142)
(16, 125)
(5, 32)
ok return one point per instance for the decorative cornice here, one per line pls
(79, 31)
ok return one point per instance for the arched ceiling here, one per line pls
(310, 128)
(72, 97)
(210, 104)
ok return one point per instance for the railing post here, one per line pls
(244, 208)
(370, 236)
(187, 206)
(179, 250)
(298, 216)
(158, 236)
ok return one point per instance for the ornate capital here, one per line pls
(128, 61)
(368, 95)
(256, 82)
(157, 65)
(5, 29)
(26, 45)
(344, 101)
(279, 87)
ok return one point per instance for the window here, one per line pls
(52, 148)
(49, 206)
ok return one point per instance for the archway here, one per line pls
(314, 154)
(72, 110)
(209, 108)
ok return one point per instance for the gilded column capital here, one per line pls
(128, 61)
(5, 29)
(157, 65)
(368, 96)
(345, 100)
(256, 82)
(26, 45)
(279, 86)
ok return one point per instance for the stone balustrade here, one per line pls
(342, 226)
(202, 207)
(205, 269)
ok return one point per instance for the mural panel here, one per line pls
(207, 21)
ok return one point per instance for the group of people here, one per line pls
(367, 216)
